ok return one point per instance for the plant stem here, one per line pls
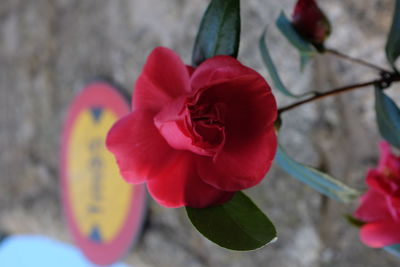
(355, 60)
(383, 82)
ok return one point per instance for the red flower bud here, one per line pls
(310, 22)
(380, 205)
(196, 136)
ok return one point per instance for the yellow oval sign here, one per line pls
(100, 198)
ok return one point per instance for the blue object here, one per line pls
(40, 251)
(96, 113)
(95, 234)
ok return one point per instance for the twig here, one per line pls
(355, 60)
(384, 82)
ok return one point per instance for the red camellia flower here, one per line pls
(310, 22)
(380, 206)
(196, 136)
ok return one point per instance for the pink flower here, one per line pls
(310, 22)
(380, 206)
(196, 136)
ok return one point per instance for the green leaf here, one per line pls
(269, 64)
(316, 179)
(393, 42)
(354, 221)
(305, 48)
(219, 32)
(304, 58)
(237, 225)
(278, 123)
(388, 117)
(394, 249)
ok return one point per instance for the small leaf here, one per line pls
(305, 48)
(278, 123)
(269, 64)
(219, 32)
(393, 42)
(394, 249)
(316, 179)
(354, 221)
(388, 117)
(237, 225)
(304, 58)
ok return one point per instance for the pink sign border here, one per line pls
(95, 94)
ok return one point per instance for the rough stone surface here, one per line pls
(50, 48)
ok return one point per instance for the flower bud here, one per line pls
(311, 23)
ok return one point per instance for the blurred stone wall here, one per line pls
(50, 48)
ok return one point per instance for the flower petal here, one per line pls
(373, 207)
(164, 78)
(140, 150)
(240, 167)
(389, 164)
(380, 234)
(218, 69)
(250, 107)
(180, 185)
(175, 125)
(383, 183)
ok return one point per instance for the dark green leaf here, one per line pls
(305, 48)
(269, 64)
(278, 123)
(394, 249)
(219, 32)
(393, 42)
(316, 179)
(354, 221)
(388, 117)
(237, 225)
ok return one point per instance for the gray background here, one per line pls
(50, 48)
